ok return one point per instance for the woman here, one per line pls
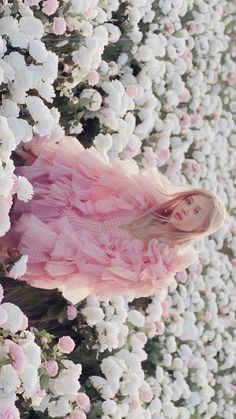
(95, 229)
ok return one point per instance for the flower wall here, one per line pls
(152, 81)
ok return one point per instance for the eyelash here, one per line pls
(189, 202)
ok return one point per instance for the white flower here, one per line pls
(7, 399)
(8, 25)
(114, 32)
(36, 107)
(76, 129)
(32, 353)
(194, 399)
(144, 53)
(111, 368)
(9, 380)
(9, 108)
(3, 316)
(7, 140)
(117, 98)
(49, 67)
(103, 143)
(171, 344)
(15, 317)
(41, 114)
(67, 382)
(1, 75)
(25, 190)
(3, 47)
(170, 411)
(7, 183)
(83, 58)
(91, 99)
(93, 315)
(21, 130)
(19, 268)
(18, 39)
(8, 71)
(4, 225)
(189, 329)
(46, 91)
(38, 50)
(59, 408)
(30, 380)
(136, 318)
(109, 407)
(31, 27)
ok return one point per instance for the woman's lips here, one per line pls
(178, 216)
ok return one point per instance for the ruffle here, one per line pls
(99, 262)
(66, 175)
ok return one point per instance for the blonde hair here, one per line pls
(158, 216)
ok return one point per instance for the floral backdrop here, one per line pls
(152, 81)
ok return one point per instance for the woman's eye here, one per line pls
(196, 211)
(188, 201)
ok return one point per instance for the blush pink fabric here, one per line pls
(71, 229)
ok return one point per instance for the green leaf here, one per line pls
(44, 381)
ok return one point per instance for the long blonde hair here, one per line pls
(158, 216)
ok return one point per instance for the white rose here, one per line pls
(16, 60)
(25, 189)
(50, 67)
(15, 317)
(36, 108)
(19, 268)
(144, 53)
(59, 408)
(8, 71)
(109, 407)
(3, 316)
(18, 39)
(1, 75)
(9, 108)
(65, 383)
(30, 380)
(7, 140)
(3, 47)
(111, 368)
(93, 315)
(9, 380)
(44, 126)
(136, 318)
(83, 58)
(92, 100)
(38, 50)
(7, 399)
(33, 354)
(114, 32)
(5, 225)
(21, 130)
(31, 27)
(8, 25)
(46, 91)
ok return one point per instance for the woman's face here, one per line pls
(189, 214)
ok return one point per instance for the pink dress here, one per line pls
(71, 229)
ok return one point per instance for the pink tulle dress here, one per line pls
(72, 230)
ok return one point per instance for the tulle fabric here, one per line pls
(72, 228)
